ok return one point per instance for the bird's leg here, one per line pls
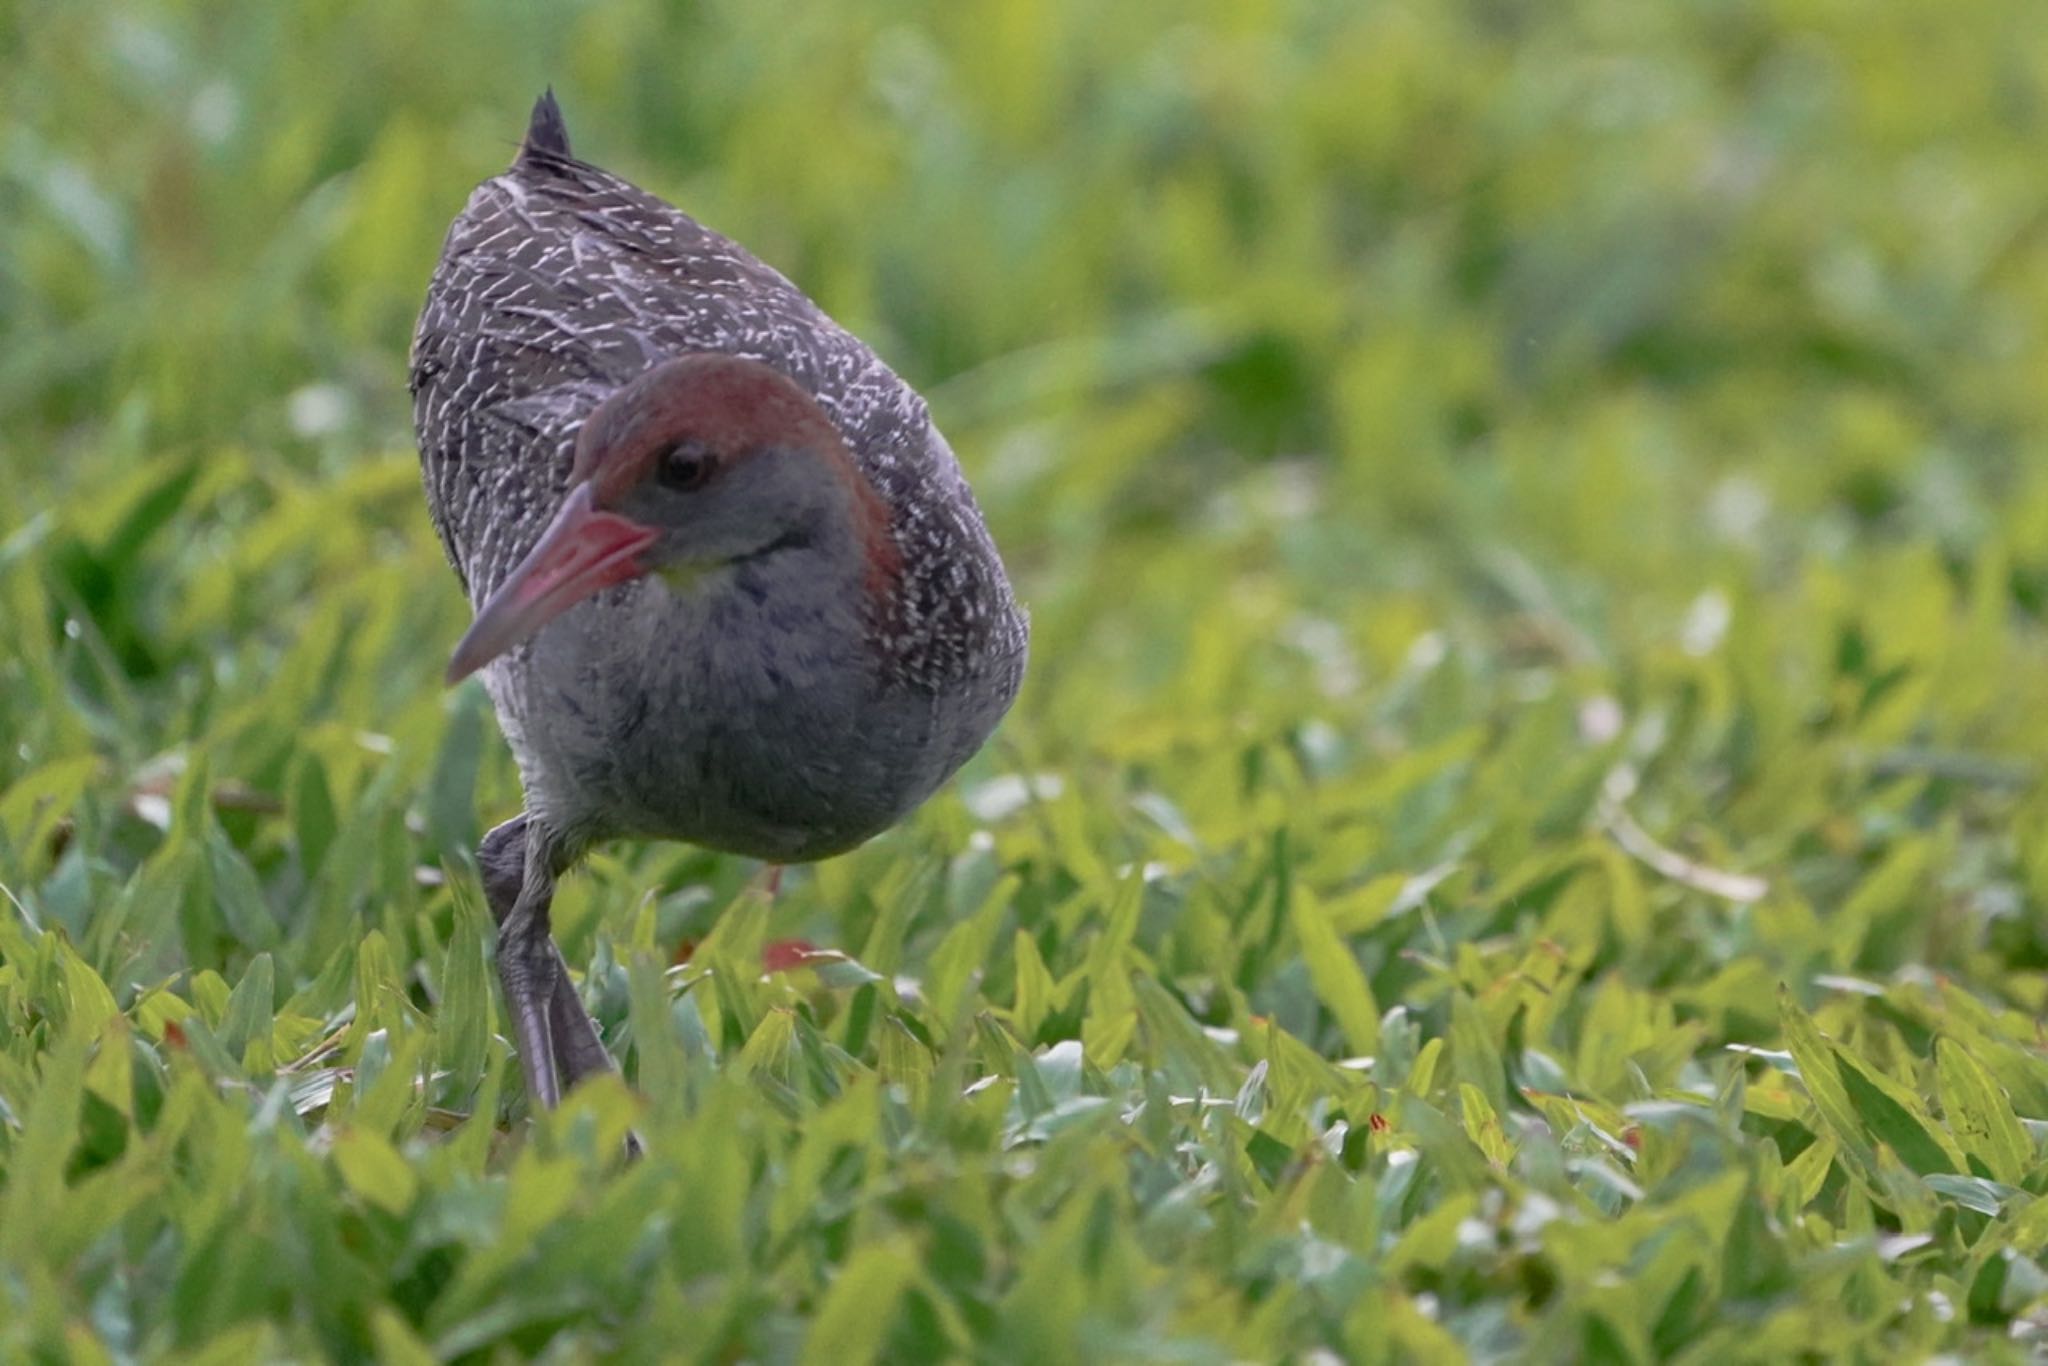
(529, 966)
(579, 1052)
(571, 1046)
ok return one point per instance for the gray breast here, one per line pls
(770, 733)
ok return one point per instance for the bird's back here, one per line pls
(560, 282)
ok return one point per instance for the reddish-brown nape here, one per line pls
(734, 409)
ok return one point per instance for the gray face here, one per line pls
(713, 511)
(701, 463)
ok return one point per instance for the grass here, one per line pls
(1525, 836)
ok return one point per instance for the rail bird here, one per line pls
(730, 585)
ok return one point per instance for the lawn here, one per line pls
(1525, 836)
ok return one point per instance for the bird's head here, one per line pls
(701, 462)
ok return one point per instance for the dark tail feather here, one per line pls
(546, 133)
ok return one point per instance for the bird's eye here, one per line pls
(685, 466)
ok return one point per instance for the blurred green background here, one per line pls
(1536, 527)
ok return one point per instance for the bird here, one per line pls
(731, 587)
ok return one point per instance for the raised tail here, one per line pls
(546, 133)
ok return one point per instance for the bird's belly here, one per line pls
(789, 783)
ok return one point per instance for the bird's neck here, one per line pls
(822, 590)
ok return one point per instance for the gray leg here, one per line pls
(557, 1040)
(528, 968)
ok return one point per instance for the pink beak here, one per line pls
(582, 551)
